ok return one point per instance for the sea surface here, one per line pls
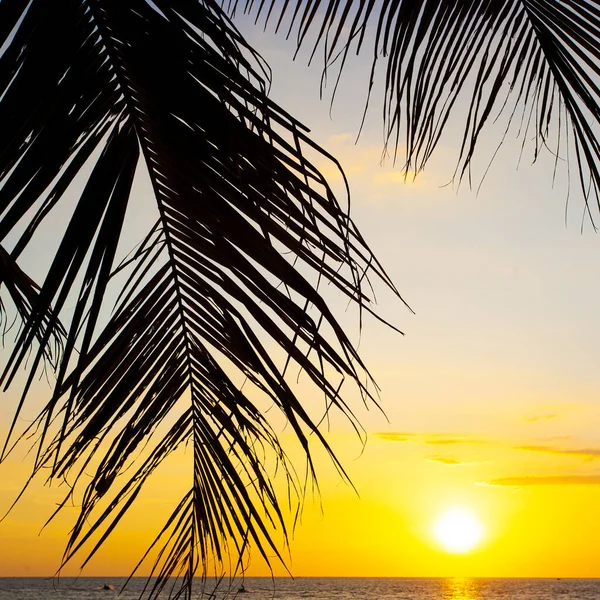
(308, 588)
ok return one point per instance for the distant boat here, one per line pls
(242, 590)
(107, 587)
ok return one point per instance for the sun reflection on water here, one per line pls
(461, 588)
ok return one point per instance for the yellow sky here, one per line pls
(537, 506)
(492, 398)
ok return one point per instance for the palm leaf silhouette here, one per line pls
(107, 86)
(533, 61)
(247, 230)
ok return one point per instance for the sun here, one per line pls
(458, 530)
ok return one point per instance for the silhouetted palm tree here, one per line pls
(153, 355)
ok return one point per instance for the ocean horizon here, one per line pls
(313, 588)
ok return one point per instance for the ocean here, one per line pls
(315, 588)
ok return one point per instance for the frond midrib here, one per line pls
(134, 114)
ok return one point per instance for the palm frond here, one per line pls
(101, 89)
(23, 292)
(534, 60)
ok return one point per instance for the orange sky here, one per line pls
(532, 526)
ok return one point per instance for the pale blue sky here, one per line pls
(504, 283)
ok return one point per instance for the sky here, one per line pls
(491, 398)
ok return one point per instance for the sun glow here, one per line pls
(458, 530)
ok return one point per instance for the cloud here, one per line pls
(437, 439)
(445, 460)
(356, 162)
(536, 418)
(452, 462)
(442, 439)
(586, 453)
(372, 172)
(542, 480)
(395, 436)
(446, 441)
(340, 138)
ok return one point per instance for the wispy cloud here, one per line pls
(445, 460)
(585, 453)
(450, 461)
(543, 480)
(373, 173)
(395, 436)
(437, 439)
(442, 439)
(338, 138)
(536, 418)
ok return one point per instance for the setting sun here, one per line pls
(458, 530)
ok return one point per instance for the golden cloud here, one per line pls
(530, 480)
(446, 460)
(441, 439)
(536, 418)
(586, 453)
